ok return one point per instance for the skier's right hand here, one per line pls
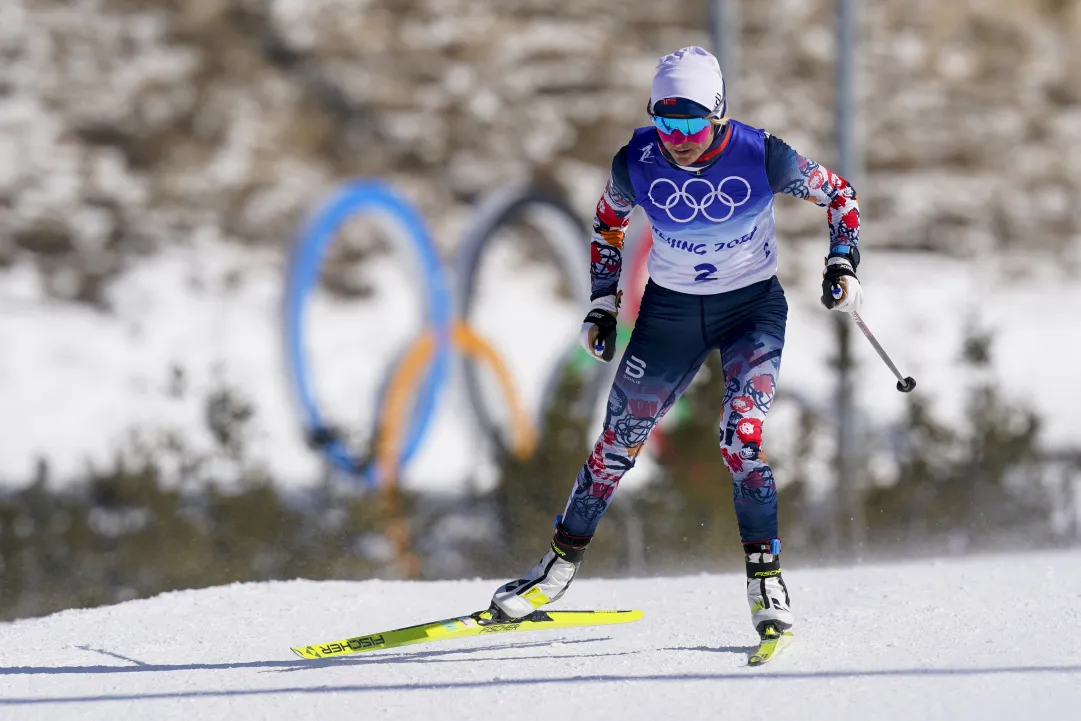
(598, 334)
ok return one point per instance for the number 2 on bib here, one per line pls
(705, 272)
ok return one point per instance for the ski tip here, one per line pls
(773, 642)
(597, 611)
(307, 652)
(629, 614)
(600, 615)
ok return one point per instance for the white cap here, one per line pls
(691, 73)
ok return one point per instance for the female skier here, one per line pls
(706, 183)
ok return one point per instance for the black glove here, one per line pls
(598, 334)
(840, 286)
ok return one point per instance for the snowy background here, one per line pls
(156, 160)
(79, 385)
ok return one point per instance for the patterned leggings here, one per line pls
(672, 337)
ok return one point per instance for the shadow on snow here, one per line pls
(429, 656)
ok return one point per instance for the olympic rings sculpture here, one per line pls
(406, 406)
(302, 274)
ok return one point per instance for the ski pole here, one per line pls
(904, 383)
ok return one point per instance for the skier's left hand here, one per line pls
(840, 286)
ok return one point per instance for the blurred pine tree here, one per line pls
(982, 484)
(532, 492)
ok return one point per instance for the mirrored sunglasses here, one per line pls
(687, 126)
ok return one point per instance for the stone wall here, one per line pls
(125, 124)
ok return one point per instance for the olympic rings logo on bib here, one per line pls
(682, 201)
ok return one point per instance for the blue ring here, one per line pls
(303, 273)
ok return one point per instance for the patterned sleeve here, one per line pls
(609, 226)
(792, 174)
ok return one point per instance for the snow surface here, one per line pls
(976, 638)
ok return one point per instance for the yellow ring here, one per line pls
(403, 386)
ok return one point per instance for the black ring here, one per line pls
(568, 239)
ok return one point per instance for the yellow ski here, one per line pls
(773, 642)
(481, 622)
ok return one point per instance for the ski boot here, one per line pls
(767, 594)
(545, 582)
